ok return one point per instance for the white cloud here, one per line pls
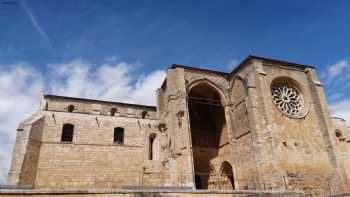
(21, 85)
(337, 78)
(20, 89)
(144, 91)
(341, 109)
(108, 82)
(337, 69)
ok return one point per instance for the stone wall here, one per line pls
(341, 133)
(150, 193)
(296, 153)
(265, 147)
(92, 160)
(26, 151)
(97, 107)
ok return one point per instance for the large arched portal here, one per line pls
(208, 130)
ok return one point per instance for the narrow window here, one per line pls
(67, 133)
(118, 135)
(113, 111)
(150, 150)
(144, 114)
(339, 135)
(70, 108)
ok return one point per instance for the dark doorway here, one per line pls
(197, 180)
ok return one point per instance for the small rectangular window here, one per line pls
(67, 133)
(118, 135)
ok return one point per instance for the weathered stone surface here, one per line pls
(150, 193)
(203, 119)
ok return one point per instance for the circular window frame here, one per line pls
(305, 103)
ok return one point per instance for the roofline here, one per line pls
(242, 64)
(197, 69)
(95, 100)
(269, 60)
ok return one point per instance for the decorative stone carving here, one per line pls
(179, 116)
(164, 142)
(179, 94)
(287, 99)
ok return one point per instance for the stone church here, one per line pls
(263, 126)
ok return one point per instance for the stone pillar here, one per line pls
(177, 121)
(320, 104)
(259, 113)
(19, 152)
(26, 152)
(252, 109)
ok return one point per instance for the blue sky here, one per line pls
(158, 33)
(118, 50)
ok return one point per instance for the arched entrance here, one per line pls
(226, 173)
(208, 130)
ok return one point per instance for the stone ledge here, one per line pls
(131, 191)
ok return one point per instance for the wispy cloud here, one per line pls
(337, 69)
(109, 81)
(341, 109)
(35, 23)
(336, 77)
(232, 64)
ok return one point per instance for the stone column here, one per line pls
(320, 103)
(252, 109)
(259, 113)
(18, 156)
(26, 151)
(178, 124)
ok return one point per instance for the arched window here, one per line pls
(339, 135)
(67, 133)
(118, 135)
(144, 114)
(70, 108)
(151, 148)
(113, 111)
(227, 173)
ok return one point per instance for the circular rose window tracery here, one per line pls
(287, 99)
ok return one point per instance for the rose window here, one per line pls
(287, 99)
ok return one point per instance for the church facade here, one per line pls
(265, 125)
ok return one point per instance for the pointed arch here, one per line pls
(226, 171)
(238, 84)
(208, 125)
(221, 92)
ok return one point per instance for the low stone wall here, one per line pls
(148, 193)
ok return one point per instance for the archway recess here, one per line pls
(208, 130)
(226, 172)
